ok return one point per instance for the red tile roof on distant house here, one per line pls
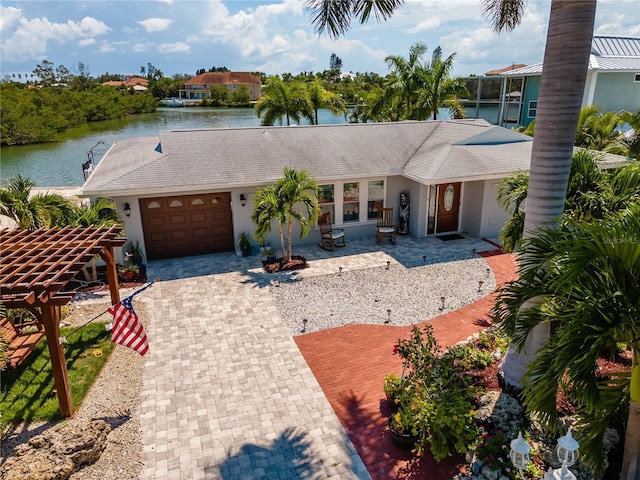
(515, 66)
(130, 82)
(137, 81)
(223, 78)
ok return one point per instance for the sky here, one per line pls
(271, 36)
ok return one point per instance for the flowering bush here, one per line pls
(392, 387)
(437, 401)
(493, 452)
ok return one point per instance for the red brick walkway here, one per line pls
(350, 362)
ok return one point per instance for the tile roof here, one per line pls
(223, 78)
(190, 160)
(201, 160)
(515, 66)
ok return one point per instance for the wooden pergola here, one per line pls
(34, 270)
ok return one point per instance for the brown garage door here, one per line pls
(187, 225)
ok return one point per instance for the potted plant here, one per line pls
(436, 400)
(134, 253)
(128, 272)
(404, 429)
(271, 255)
(265, 246)
(244, 243)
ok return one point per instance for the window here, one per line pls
(636, 78)
(533, 109)
(351, 202)
(375, 198)
(346, 208)
(326, 200)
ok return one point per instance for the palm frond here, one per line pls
(504, 15)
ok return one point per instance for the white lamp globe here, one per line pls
(567, 449)
(519, 453)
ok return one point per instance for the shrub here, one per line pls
(437, 402)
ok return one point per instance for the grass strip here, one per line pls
(27, 393)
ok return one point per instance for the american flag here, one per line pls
(127, 329)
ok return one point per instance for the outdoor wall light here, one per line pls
(243, 199)
(339, 271)
(480, 282)
(388, 264)
(442, 300)
(127, 209)
(388, 320)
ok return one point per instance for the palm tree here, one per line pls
(321, 98)
(512, 197)
(628, 143)
(591, 298)
(283, 100)
(407, 78)
(100, 213)
(596, 129)
(267, 208)
(297, 187)
(31, 211)
(280, 202)
(439, 89)
(561, 88)
(591, 194)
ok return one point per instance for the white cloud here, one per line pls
(31, 38)
(118, 46)
(155, 24)
(9, 16)
(86, 42)
(141, 47)
(177, 47)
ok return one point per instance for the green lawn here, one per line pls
(27, 392)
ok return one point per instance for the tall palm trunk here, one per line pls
(289, 233)
(561, 89)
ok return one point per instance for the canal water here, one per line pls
(60, 164)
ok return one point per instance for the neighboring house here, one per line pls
(486, 93)
(138, 84)
(514, 66)
(199, 87)
(613, 80)
(181, 193)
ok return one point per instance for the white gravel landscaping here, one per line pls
(364, 296)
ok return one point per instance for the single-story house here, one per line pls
(613, 79)
(199, 87)
(138, 84)
(190, 192)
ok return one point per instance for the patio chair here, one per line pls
(329, 237)
(385, 228)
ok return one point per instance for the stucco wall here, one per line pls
(616, 91)
(531, 90)
(493, 216)
(471, 207)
